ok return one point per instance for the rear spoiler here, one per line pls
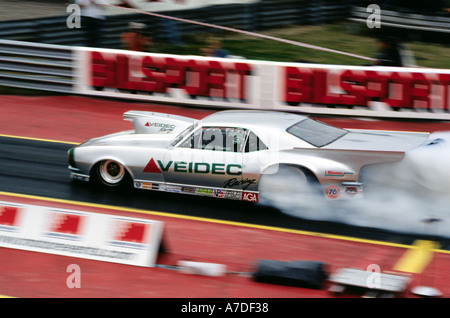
(157, 123)
(354, 160)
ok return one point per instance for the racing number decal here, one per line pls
(332, 192)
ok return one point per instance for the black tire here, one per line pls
(110, 174)
(291, 181)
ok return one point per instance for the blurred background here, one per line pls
(422, 26)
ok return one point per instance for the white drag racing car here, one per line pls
(232, 154)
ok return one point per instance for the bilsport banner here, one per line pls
(376, 91)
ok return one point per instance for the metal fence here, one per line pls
(408, 25)
(36, 66)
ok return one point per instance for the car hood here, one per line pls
(379, 140)
(130, 138)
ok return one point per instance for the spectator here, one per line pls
(134, 39)
(214, 49)
(389, 53)
(92, 20)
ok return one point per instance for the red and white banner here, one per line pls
(238, 83)
(167, 5)
(88, 235)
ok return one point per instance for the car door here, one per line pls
(210, 157)
(256, 155)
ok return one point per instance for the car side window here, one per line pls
(212, 139)
(254, 143)
(217, 139)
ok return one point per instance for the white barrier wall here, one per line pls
(238, 83)
(88, 235)
(167, 5)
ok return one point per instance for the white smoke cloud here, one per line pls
(399, 196)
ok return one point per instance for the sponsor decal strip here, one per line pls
(330, 173)
(233, 194)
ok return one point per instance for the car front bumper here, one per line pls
(76, 174)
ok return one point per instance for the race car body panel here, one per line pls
(366, 140)
(226, 154)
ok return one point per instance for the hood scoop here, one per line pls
(157, 123)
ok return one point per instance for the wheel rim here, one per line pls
(111, 172)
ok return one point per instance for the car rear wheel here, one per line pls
(288, 184)
(110, 173)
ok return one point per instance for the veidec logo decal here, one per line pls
(250, 196)
(151, 167)
(194, 167)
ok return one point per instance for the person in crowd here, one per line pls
(92, 20)
(389, 52)
(214, 48)
(135, 39)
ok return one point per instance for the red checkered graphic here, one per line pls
(8, 215)
(65, 223)
(132, 232)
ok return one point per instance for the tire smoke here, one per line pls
(399, 196)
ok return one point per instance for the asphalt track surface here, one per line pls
(33, 162)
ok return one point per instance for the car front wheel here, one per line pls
(110, 173)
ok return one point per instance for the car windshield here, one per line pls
(315, 132)
(183, 134)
